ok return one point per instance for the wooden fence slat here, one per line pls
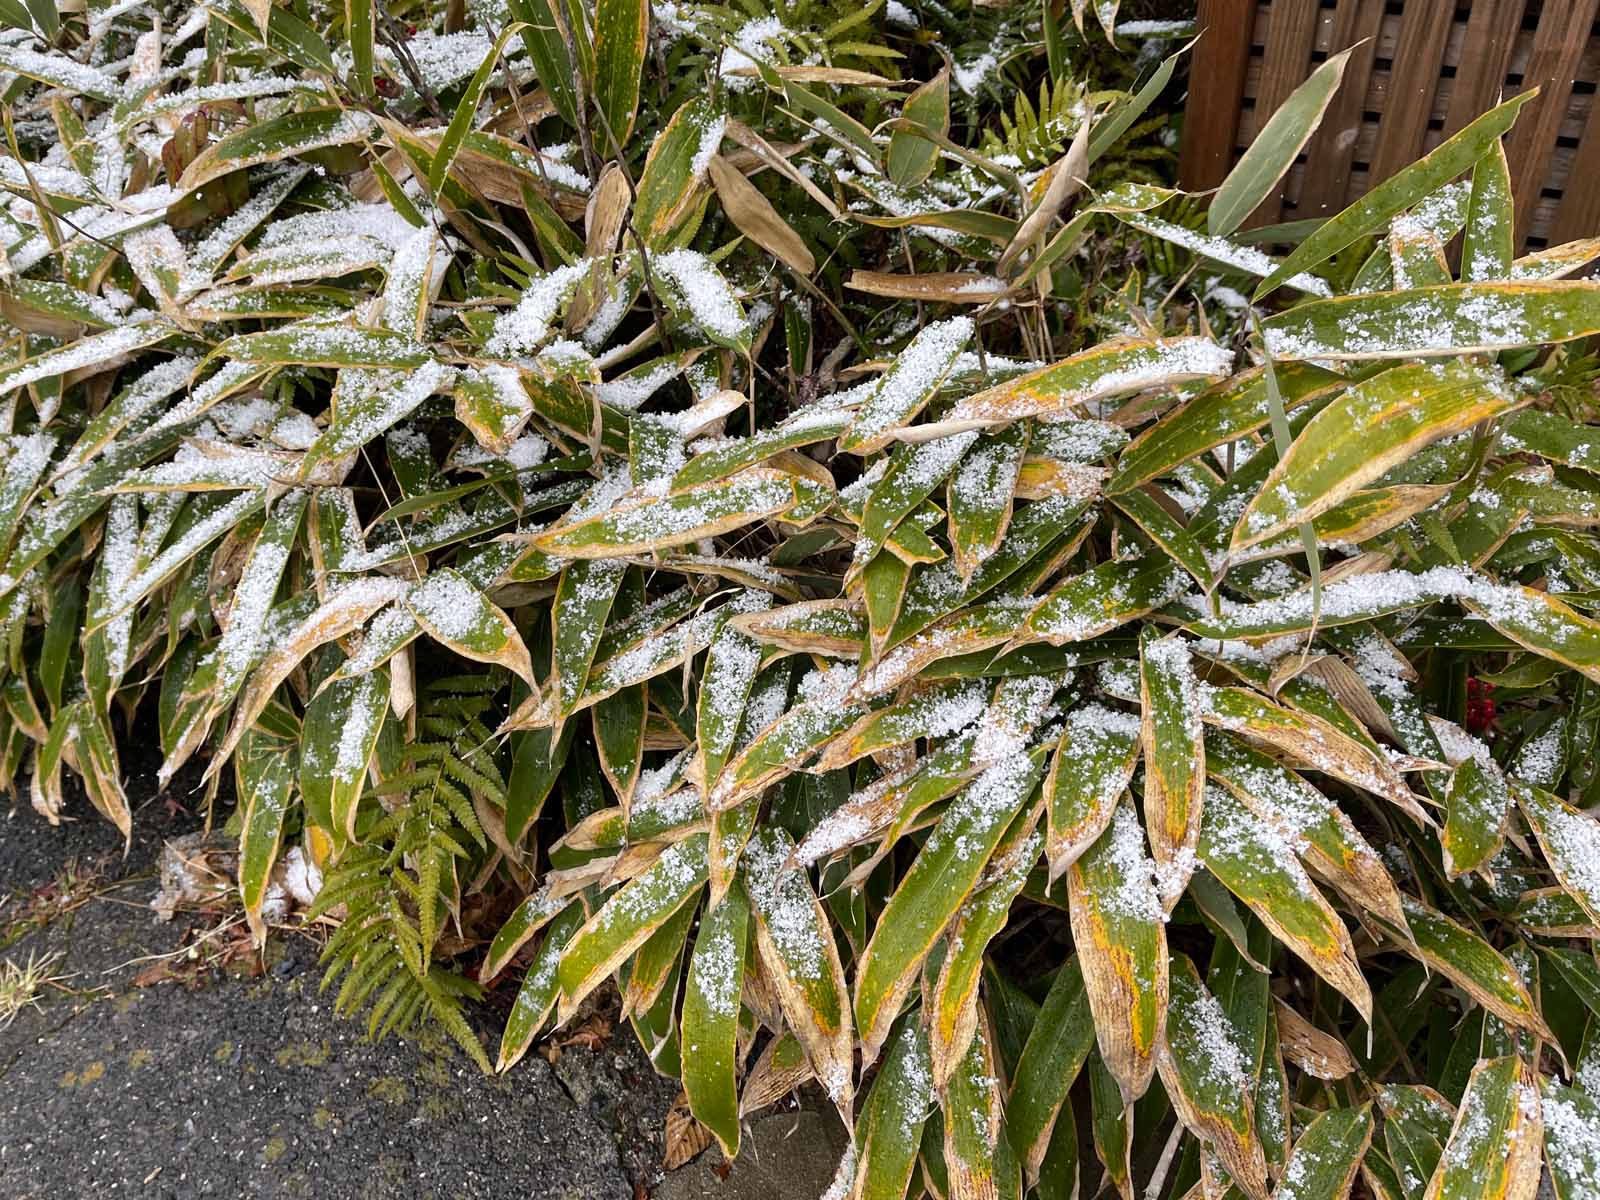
(1558, 45)
(1216, 89)
(1424, 29)
(1291, 33)
(1420, 70)
(1578, 215)
(1330, 151)
(1492, 27)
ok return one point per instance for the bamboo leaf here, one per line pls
(621, 33)
(711, 1017)
(1400, 191)
(797, 948)
(1091, 768)
(1381, 422)
(1120, 931)
(1205, 1074)
(1259, 867)
(455, 612)
(889, 1130)
(1171, 733)
(1496, 1142)
(938, 882)
(1444, 319)
(626, 921)
(1275, 147)
(338, 736)
(1056, 1049)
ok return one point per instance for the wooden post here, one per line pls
(1216, 88)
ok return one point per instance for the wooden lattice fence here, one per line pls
(1423, 69)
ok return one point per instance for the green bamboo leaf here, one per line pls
(1171, 731)
(797, 948)
(1324, 837)
(319, 345)
(1496, 1143)
(359, 29)
(619, 732)
(1489, 243)
(1571, 842)
(96, 350)
(1255, 863)
(1571, 1140)
(1444, 319)
(492, 404)
(532, 915)
(1275, 147)
(456, 613)
(1311, 741)
(910, 159)
(1110, 1122)
(937, 711)
(710, 1030)
(649, 523)
(1416, 1125)
(264, 775)
(980, 494)
(584, 595)
(1120, 931)
(1475, 811)
(807, 427)
(937, 591)
(675, 168)
(547, 50)
(1110, 369)
(1469, 961)
(537, 995)
(889, 1130)
(732, 662)
(1092, 766)
(293, 133)
(1120, 119)
(621, 32)
(883, 590)
(626, 921)
(953, 1006)
(339, 733)
(976, 1153)
(1103, 598)
(905, 388)
(1056, 1049)
(788, 742)
(58, 70)
(934, 888)
(1324, 1161)
(1379, 423)
(912, 474)
(1399, 192)
(1206, 1075)
(1169, 535)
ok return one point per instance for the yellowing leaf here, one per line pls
(1365, 431)
(1121, 935)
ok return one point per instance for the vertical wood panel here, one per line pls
(1481, 77)
(1291, 33)
(1329, 153)
(1579, 213)
(1558, 44)
(1395, 86)
(1216, 89)
(1424, 29)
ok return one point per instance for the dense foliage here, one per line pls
(782, 510)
